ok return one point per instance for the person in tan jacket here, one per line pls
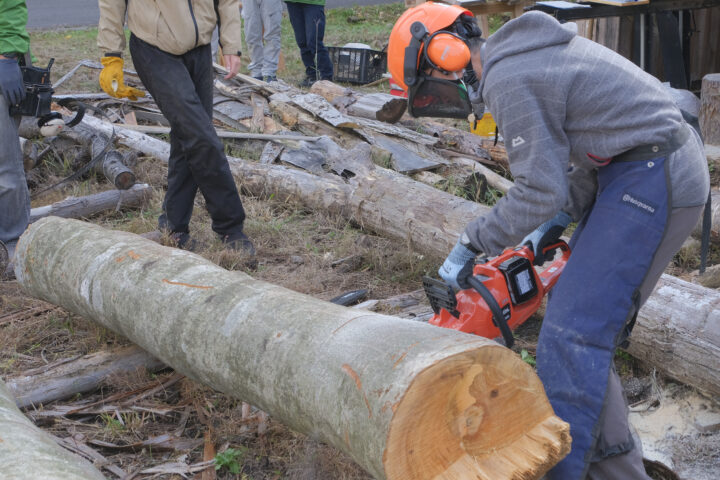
(170, 49)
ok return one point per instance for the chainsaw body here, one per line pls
(513, 283)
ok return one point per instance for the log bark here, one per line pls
(79, 207)
(26, 452)
(375, 106)
(710, 108)
(79, 376)
(460, 141)
(115, 171)
(30, 154)
(404, 399)
(678, 332)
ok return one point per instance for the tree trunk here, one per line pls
(79, 376)
(710, 108)
(678, 332)
(73, 207)
(405, 399)
(26, 452)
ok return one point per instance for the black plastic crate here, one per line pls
(357, 65)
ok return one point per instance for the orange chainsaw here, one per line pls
(505, 291)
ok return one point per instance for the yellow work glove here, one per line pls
(111, 80)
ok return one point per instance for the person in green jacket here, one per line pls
(14, 195)
(307, 18)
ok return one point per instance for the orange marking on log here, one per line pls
(119, 259)
(202, 287)
(358, 383)
(133, 255)
(402, 357)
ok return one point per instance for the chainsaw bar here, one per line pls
(440, 295)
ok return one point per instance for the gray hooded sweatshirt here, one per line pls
(558, 98)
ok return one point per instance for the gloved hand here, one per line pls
(546, 234)
(458, 266)
(476, 100)
(11, 81)
(112, 82)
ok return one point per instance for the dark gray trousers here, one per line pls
(182, 86)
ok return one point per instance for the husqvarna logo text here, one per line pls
(642, 205)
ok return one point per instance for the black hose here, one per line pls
(498, 316)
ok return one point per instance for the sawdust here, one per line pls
(669, 425)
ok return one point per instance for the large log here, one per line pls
(79, 376)
(678, 332)
(710, 108)
(28, 453)
(379, 202)
(404, 399)
(79, 207)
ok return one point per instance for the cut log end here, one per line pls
(125, 180)
(473, 415)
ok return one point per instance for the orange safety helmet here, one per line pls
(445, 50)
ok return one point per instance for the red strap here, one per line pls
(599, 161)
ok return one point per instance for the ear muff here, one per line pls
(447, 52)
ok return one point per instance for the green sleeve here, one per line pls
(13, 18)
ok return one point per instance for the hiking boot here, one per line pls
(257, 77)
(182, 240)
(239, 242)
(307, 83)
(270, 78)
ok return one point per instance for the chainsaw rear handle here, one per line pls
(551, 274)
(498, 316)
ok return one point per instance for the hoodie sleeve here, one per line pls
(530, 116)
(230, 26)
(111, 28)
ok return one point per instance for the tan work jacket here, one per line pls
(174, 26)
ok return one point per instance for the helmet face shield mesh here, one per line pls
(435, 97)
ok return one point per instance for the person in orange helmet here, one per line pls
(428, 56)
(591, 138)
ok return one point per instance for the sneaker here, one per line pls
(240, 242)
(257, 77)
(270, 78)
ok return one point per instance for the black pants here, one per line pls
(182, 86)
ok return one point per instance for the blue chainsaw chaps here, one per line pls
(594, 304)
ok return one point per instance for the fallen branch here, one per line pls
(78, 376)
(223, 133)
(80, 207)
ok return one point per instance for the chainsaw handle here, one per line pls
(494, 308)
(551, 274)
